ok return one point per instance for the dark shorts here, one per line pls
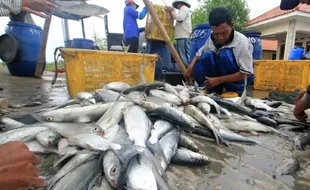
(134, 44)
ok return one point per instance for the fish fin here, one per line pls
(95, 182)
(161, 182)
(61, 160)
(243, 96)
(216, 135)
(254, 133)
(37, 117)
(158, 152)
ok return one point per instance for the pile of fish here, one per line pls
(126, 136)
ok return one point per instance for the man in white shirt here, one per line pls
(225, 59)
(182, 29)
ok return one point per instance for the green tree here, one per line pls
(100, 42)
(239, 9)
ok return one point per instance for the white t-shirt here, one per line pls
(183, 26)
(242, 49)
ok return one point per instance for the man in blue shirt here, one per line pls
(130, 25)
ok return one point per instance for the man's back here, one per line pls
(183, 29)
(130, 25)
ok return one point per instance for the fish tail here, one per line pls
(127, 152)
(158, 152)
(216, 135)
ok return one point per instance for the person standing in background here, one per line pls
(130, 25)
(182, 29)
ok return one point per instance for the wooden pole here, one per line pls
(165, 35)
(41, 58)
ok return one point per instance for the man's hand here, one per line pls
(169, 8)
(189, 72)
(305, 2)
(212, 82)
(38, 7)
(301, 104)
(17, 167)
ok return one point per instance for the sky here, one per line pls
(55, 39)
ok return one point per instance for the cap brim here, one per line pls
(175, 4)
(289, 4)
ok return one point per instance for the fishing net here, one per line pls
(285, 97)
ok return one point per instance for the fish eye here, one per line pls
(49, 118)
(113, 171)
(96, 129)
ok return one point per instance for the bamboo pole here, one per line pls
(165, 35)
(42, 53)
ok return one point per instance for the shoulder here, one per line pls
(185, 9)
(241, 38)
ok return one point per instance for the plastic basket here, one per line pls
(281, 75)
(88, 70)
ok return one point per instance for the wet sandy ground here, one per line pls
(232, 168)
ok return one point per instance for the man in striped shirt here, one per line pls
(37, 7)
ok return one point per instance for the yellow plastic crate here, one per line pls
(151, 30)
(88, 70)
(281, 75)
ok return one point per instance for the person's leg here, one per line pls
(181, 45)
(134, 44)
(207, 67)
(188, 50)
(228, 65)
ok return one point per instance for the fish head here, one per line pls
(95, 129)
(54, 116)
(114, 170)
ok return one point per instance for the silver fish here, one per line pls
(169, 144)
(141, 176)
(203, 119)
(185, 96)
(169, 88)
(139, 96)
(187, 157)
(138, 125)
(81, 177)
(188, 143)
(288, 166)
(106, 95)
(85, 98)
(96, 143)
(166, 96)
(157, 101)
(11, 124)
(37, 148)
(21, 134)
(104, 185)
(84, 114)
(206, 99)
(161, 128)
(246, 126)
(226, 135)
(62, 144)
(257, 104)
(204, 107)
(68, 167)
(48, 138)
(115, 171)
(113, 115)
(111, 132)
(173, 115)
(117, 86)
(72, 129)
